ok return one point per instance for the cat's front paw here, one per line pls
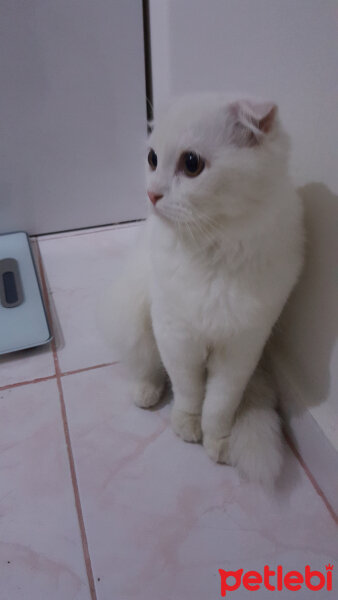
(186, 425)
(217, 448)
(147, 394)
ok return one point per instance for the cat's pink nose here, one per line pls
(154, 197)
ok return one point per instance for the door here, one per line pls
(72, 113)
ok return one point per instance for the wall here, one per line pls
(72, 113)
(286, 51)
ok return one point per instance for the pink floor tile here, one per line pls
(78, 269)
(40, 546)
(161, 518)
(26, 365)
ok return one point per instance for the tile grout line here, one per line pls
(76, 491)
(71, 461)
(9, 386)
(311, 478)
(85, 369)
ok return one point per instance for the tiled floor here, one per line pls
(99, 499)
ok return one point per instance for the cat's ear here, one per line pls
(248, 122)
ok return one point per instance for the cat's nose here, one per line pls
(154, 197)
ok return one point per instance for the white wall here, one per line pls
(72, 113)
(285, 50)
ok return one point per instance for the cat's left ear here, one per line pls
(248, 122)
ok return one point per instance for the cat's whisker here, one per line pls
(191, 232)
(208, 220)
(205, 233)
(210, 227)
(193, 223)
(179, 231)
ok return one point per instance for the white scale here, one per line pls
(23, 320)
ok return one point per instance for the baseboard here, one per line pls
(316, 451)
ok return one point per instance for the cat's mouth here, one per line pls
(169, 213)
(162, 211)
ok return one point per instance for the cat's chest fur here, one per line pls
(212, 292)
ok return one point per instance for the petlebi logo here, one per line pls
(275, 580)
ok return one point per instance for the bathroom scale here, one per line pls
(23, 320)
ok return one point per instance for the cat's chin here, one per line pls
(159, 212)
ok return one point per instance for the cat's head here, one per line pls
(211, 157)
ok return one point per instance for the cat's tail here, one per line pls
(256, 445)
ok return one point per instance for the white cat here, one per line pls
(218, 256)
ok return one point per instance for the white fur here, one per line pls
(216, 261)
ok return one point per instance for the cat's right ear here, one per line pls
(249, 122)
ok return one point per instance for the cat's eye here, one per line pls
(191, 163)
(152, 159)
